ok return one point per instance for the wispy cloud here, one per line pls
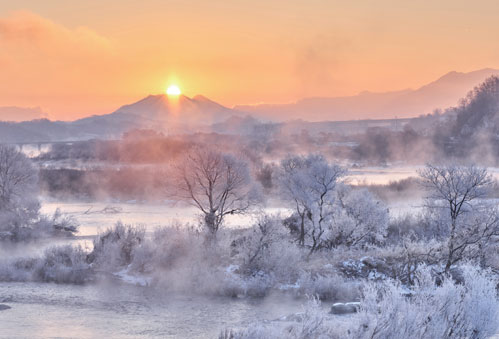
(26, 29)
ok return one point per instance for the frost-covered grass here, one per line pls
(388, 310)
(402, 288)
(179, 259)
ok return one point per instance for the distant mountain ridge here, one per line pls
(183, 114)
(160, 112)
(180, 111)
(441, 93)
(14, 113)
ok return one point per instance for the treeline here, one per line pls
(469, 131)
(137, 146)
(125, 183)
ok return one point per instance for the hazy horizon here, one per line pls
(442, 99)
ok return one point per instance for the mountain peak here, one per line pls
(450, 75)
(442, 93)
(158, 110)
(479, 74)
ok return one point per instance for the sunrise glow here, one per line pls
(186, 164)
(173, 90)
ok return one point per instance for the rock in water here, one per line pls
(4, 307)
(341, 308)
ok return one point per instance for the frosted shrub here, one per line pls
(167, 249)
(360, 219)
(19, 270)
(255, 246)
(266, 248)
(63, 264)
(60, 264)
(115, 247)
(389, 311)
(451, 310)
(180, 259)
(63, 223)
(177, 242)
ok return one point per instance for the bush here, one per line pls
(266, 248)
(59, 264)
(451, 310)
(63, 264)
(115, 247)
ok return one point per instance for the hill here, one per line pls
(441, 93)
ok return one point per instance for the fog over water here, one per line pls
(116, 308)
(97, 216)
(123, 311)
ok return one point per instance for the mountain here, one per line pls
(441, 93)
(159, 112)
(199, 109)
(183, 114)
(13, 113)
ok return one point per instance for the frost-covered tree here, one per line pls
(326, 216)
(310, 183)
(456, 199)
(361, 219)
(262, 235)
(20, 217)
(215, 183)
(18, 191)
(18, 177)
(267, 249)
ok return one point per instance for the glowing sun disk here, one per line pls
(173, 90)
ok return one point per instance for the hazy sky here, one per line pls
(75, 58)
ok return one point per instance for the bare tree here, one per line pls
(456, 193)
(217, 184)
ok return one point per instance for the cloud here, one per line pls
(53, 66)
(31, 31)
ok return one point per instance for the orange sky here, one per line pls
(75, 58)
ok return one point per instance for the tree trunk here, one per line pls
(450, 256)
(209, 220)
(301, 240)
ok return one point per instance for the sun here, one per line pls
(173, 90)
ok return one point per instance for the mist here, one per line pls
(366, 216)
